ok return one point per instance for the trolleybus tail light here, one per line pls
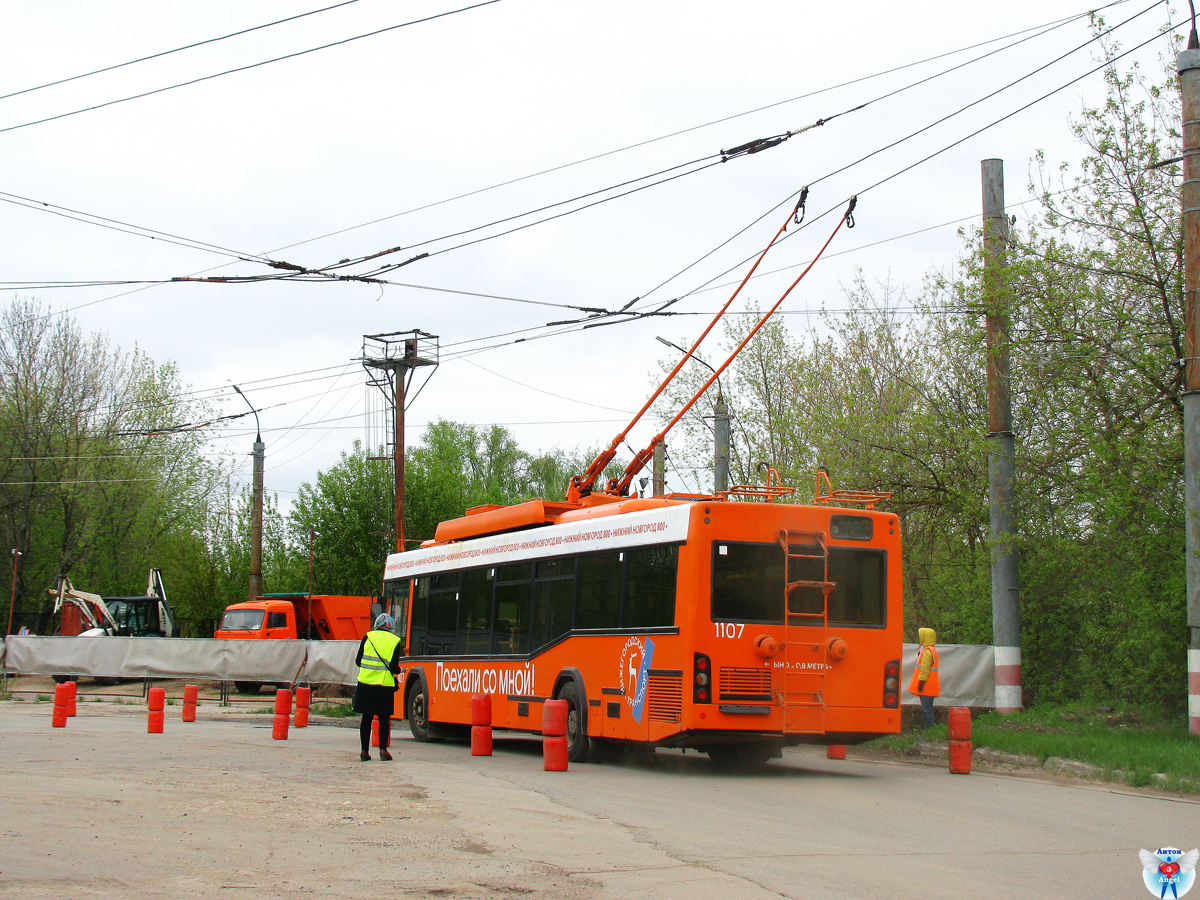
(891, 684)
(702, 679)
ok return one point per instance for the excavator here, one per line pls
(89, 615)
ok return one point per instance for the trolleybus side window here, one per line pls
(420, 615)
(748, 585)
(514, 591)
(395, 595)
(599, 591)
(442, 623)
(650, 575)
(553, 600)
(475, 612)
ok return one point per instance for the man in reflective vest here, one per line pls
(375, 694)
(925, 683)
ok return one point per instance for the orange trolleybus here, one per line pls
(717, 623)
(735, 628)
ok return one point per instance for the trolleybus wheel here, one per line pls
(416, 711)
(577, 739)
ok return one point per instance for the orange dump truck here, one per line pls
(319, 617)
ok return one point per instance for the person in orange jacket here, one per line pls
(925, 683)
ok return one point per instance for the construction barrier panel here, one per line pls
(283, 702)
(154, 721)
(836, 751)
(316, 662)
(72, 690)
(279, 729)
(156, 699)
(959, 721)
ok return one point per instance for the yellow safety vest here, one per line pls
(377, 653)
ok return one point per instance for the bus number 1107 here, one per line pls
(730, 629)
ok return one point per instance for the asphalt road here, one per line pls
(101, 809)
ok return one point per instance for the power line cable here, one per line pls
(127, 228)
(146, 285)
(163, 53)
(720, 121)
(250, 66)
(943, 119)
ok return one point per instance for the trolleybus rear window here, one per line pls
(748, 584)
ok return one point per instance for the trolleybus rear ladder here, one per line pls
(801, 691)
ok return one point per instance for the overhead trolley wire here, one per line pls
(245, 68)
(146, 284)
(128, 228)
(701, 163)
(909, 137)
(163, 53)
(557, 168)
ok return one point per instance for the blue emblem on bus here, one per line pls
(639, 697)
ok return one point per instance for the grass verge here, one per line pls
(334, 710)
(1132, 747)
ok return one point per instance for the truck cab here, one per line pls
(259, 620)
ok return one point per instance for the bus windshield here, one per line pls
(243, 619)
(747, 584)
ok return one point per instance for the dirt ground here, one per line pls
(217, 808)
(220, 809)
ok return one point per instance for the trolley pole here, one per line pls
(720, 445)
(1188, 64)
(1006, 597)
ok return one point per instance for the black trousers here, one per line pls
(385, 731)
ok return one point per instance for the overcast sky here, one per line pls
(404, 137)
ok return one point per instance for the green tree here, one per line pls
(100, 459)
(348, 516)
(898, 403)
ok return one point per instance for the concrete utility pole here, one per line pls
(16, 555)
(720, 445)
(1006, 596)
(256, 586)
(1188, 64)
(659, 469)
(396, 355)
